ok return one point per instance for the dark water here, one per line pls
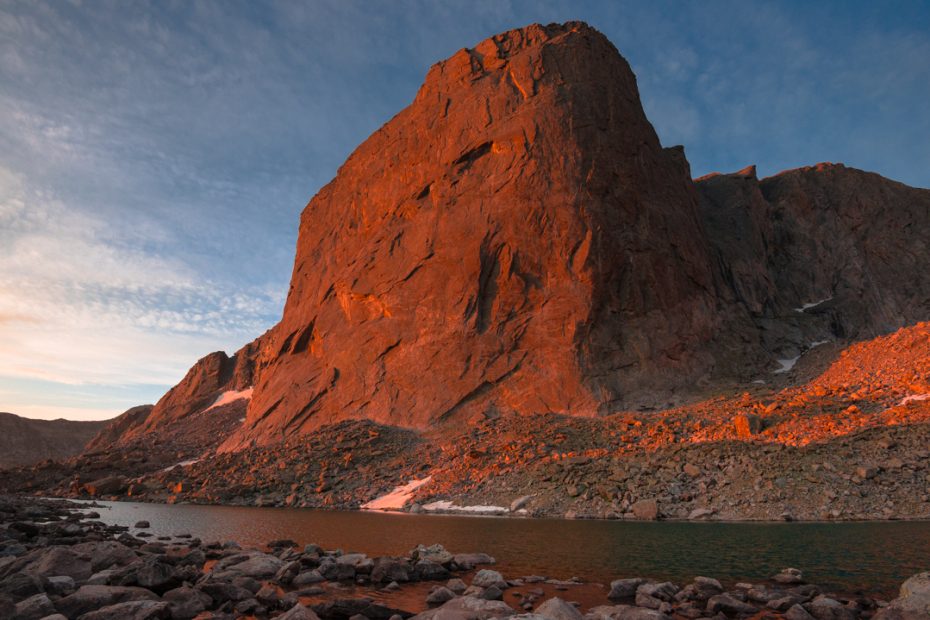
(875, 557)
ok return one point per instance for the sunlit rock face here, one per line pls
(515, 239)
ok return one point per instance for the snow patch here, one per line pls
(817, 343)
(759, 381)
(398, 498)
(787, 364)
(913, 398)
(230, 396)
(812, 304)
(448, 506)
(182, 464)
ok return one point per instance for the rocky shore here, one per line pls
(58, 562)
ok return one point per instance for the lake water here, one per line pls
(847, 557)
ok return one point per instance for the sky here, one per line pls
(155, 156)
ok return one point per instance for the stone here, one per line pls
(426, 570)
(299, 612)
(624, 588)
(433, 553)
(700, 513)
(456, 585)
(60, 585)
(142, 524)
(468, 608)
(557, 609)
(221, 591)
(646, 509)
(729, 605)
(307, 578)
(789, 576)
(35, 607)
(90, 598)
(826, 608)
(796, 612)
(486, 578)
(913, 600)
(467, 561)
(111, 485)
(625, 612)
(439, 595)
(387, 569)
(131, 610)
(185, 603)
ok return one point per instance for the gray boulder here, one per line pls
(35, 607)
(89, 598)
(557, 609)
(132, 610)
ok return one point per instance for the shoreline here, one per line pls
(57, 555)
(508, 515)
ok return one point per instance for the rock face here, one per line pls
(515, 239)
(24, 441)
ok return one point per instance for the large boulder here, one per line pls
(90, 598)
(468, 608)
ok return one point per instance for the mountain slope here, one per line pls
(24, 441)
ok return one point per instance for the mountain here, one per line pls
(517, 240)
(24, 441)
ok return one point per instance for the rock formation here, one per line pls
(517, 240)
(24, 441)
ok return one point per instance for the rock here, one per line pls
(467, 561)
(142, 525)
(439, 595)
(625, 612)
(520, 502)
(426, 570)
(557, 609)
(747, 424)
(61, 585)
(131, 610)
(299, 612)
(705, 587)
(433, 553)
(35, 607)
(646, 509)
(307, 578)
(492, 593)
(90, 598)
(467, 608)
(652, 595)
(255, 565)
(387, 569)
(58, 561)
(728, 605)
(867, 473)
(21, 585)
(624, 588)
(486, 578)
(913, 600)
(221, 591)
(111, 485)
(541, 92)
(185, 603)
(287, 573)
(336, 571)
(789, 576)
(692, 470)
(456, 585)
(796, 612)
(826, 608)
(700, 513)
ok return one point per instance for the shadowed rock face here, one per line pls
(515, 239)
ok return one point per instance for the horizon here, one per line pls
(155, 161)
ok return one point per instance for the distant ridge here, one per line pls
(24, 441)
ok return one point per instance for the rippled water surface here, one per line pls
(845, 556)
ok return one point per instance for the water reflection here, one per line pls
(846, 556)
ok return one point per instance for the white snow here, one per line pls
(448, 506)
(817, 343)
(230, 396)
(914, 398)
(812, 304)
(759, 381)
(398, 498)
(182, 464)
(787, 364)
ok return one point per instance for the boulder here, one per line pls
(90, 598)
(826, 608)
(625, 612)
(624, 588)
(729, 605)
(557, 609)
(185, 603)
(439, 595)
(468, 608)
(646, 509)
(299, 612)
(131, 610)
(35, 607)
(486, 578)
(913, 600)
(111, 485)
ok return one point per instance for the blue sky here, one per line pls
(154, 157)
